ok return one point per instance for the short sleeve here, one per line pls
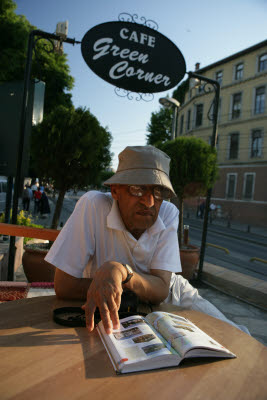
(167, 255)
(76, 242)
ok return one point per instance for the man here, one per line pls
(34, 188)
(126, 240)
(37, 199)
(26, 197)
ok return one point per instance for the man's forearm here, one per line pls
(150, 288)
(68, 287)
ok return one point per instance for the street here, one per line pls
(241, 249)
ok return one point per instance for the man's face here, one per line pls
(138, 213)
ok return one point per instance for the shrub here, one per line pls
(22, 219)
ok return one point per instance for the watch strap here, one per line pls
(129, 273)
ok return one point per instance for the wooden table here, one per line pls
(42, 360)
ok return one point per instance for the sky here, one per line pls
(204, 32)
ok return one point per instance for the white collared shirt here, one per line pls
(95, 233)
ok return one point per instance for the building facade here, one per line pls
(241, 189)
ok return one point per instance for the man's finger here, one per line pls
(105, 317)
(89, 315)
(114, 315)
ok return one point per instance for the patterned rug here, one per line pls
(19, 290)
(13, 290)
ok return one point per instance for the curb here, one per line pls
(244, 287)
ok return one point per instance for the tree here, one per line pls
(193, 169)
(71, 148)
(50, 67)
(160, 126)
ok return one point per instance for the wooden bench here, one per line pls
(28, 231)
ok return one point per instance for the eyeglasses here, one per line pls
(159, 192)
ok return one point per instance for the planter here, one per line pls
(35, 267)
(189, 256)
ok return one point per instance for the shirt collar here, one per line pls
(114, 221)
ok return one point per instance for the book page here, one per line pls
(135, 341)
(182, 334)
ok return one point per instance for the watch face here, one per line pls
(129, 269)
(129, 273)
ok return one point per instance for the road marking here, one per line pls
(218, 247)
(258, 259)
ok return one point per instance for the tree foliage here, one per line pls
(193, 168)
(52, 68)
(71, 148)
(160, 126)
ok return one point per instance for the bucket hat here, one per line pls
(142, 165)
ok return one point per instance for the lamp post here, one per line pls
(216, 87)
(171, 102)
(25, 108)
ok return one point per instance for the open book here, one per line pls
(156, 341)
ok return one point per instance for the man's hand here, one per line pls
(105, 293)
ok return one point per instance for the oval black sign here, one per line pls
(133, 57)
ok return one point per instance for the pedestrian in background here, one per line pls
(212, 212)
(44, 204)
(42, 187)
(26, 197)
(202, 208)
(37, 198)
(34, 188)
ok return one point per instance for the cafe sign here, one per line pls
(133, 57)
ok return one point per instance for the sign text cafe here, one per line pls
(133, 57)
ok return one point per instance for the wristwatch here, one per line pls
(129, 273)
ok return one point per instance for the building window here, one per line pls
(259, 100)
(181, 124)
(199, 114)
(236, 105)
(231, 186)
(188, 122)
(239, 69)
(262, 65)
(233, 147)
(219, 77)
(248, 186)
(256, 143)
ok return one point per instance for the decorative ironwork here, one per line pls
(47, 45)
(210, 113)
(134, 96)
(134, 18)
(209, 88)
(44, 43)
